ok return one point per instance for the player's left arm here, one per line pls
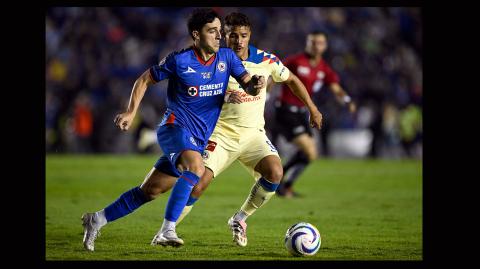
(342, 96)
(297, 87)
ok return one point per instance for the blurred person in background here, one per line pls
(411, 130)
(291, 116)
(82, 124)
(51, 115)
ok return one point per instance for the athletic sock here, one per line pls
(180, 195)
(260, 193)
(125, 204)
(99, 218)
(186, 210)
(167, 225)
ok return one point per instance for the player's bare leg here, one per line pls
(308, 153)
(270, 167)
(307, 144)
(154, 184)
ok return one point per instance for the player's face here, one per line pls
(316, 44)
(209, 36)
(237, 38)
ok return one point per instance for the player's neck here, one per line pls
(244, 55)
(314, 59)
(202, 53)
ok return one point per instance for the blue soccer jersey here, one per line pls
(196, 88)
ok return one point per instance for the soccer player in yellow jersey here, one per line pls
(239, 133)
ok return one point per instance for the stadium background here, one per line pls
(93, 56)
(366, 198)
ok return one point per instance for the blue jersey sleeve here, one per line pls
(238, 70)
(165, 69)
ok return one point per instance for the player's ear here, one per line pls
(196, 34)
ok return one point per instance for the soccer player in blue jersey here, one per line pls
(198, 77)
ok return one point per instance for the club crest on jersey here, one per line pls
(221, 66)
(205, 155)
(193, 91)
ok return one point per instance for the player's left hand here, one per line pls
(315, 119)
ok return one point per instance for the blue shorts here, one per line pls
(164, 165)
(173, 140)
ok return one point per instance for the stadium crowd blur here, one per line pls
(94, 55)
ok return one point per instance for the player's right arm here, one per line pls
(251, 84)
(298, 88)
(124, 120)
(281, 73)
(165, 69)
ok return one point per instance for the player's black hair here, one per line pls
(319, 32)
(237, 19)
(199, 17)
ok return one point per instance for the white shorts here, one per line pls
(249, 149)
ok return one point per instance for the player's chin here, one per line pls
(215, 48)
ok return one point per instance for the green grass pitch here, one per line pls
(364, 210)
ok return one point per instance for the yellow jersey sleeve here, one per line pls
(279, 72)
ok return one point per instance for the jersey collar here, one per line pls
(207, 63)
(252, 52)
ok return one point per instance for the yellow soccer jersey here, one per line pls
(250, 113)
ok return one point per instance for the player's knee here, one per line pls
(197, 168)
(274, 174)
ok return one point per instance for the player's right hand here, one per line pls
(316, 119)
(124, 120)
(233, 97)
(258, 82)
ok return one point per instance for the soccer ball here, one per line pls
(303, 239)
